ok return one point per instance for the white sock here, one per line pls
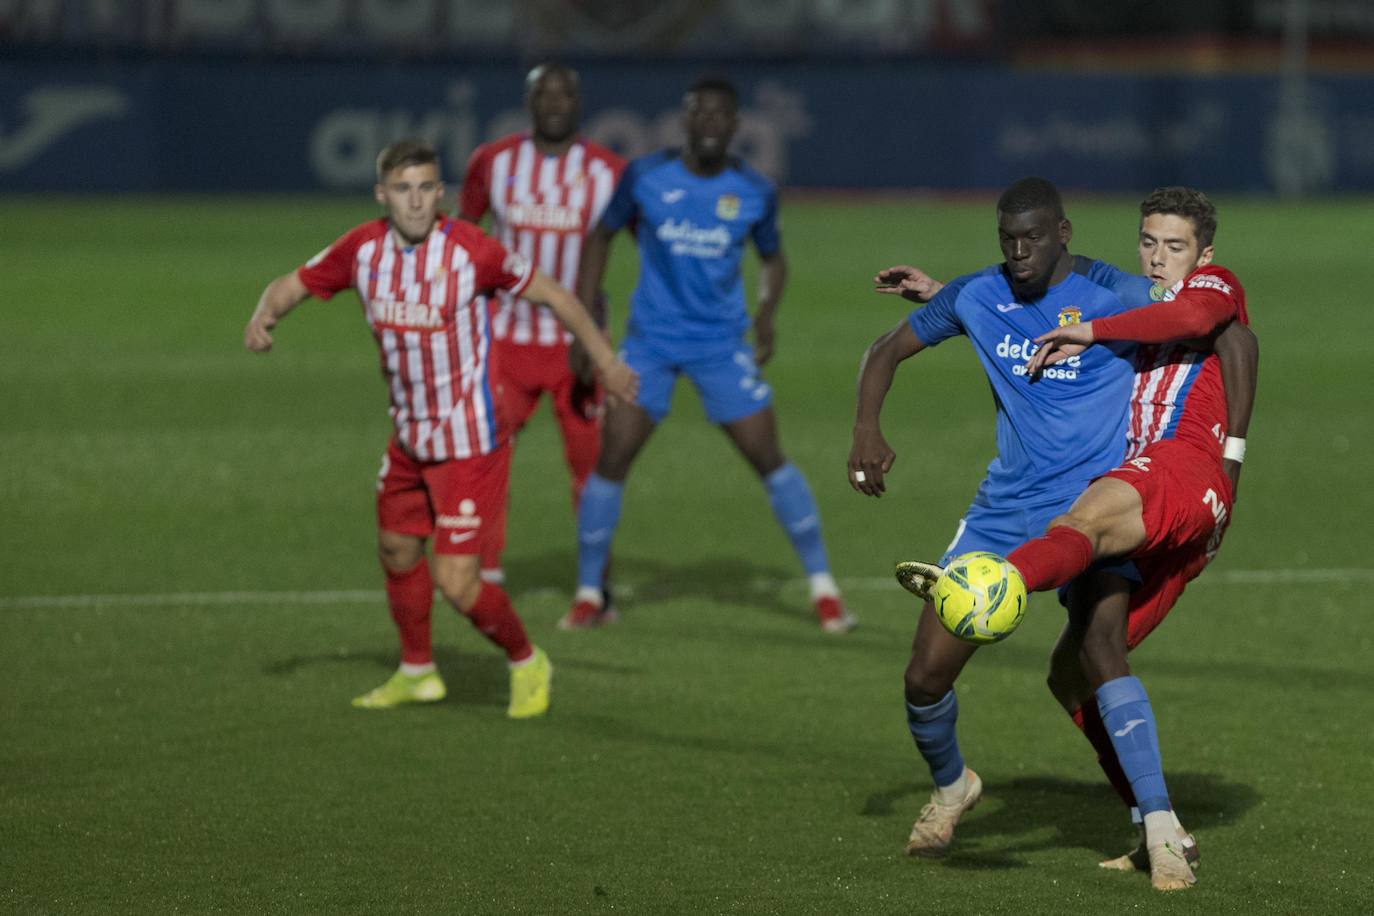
(524, 661)
(410, 670)
(823, 586)
(590, 593)
(1160, 828)
(953, 793)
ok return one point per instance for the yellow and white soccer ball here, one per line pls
(980, 598)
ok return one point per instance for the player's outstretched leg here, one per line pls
(1126, 712)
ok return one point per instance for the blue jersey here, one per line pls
(691, 232)
(1056, 435)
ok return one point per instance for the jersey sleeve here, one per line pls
(1208, 300)
(937, 320)
(1133, 290)
(765, 233)
(622, 208)
(332, 269)
(498, 268)
(475, 196)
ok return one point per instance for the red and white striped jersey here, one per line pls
(424, 306)
(1178, 390)
(541, 206)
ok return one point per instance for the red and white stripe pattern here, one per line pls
(422, 305)
(542, 207)
(1165, 373)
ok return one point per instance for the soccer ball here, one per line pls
(980, 598)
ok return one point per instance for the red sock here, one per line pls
(1051, 561)
(410, 595)
(496, 618)
(1089, 721)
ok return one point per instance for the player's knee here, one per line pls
(399, 553)
(458, 581)
(924, 686)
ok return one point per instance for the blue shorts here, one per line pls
(727, 381)
(1002, 529)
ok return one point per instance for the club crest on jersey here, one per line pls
(1070, 315)
(1157, 292)
(727, 206)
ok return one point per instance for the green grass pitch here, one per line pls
(182, 749)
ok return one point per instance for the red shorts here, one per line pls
(449, 499)
(524, 372)
(1163, 578)
(1185, 497)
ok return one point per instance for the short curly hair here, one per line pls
(1189, 203)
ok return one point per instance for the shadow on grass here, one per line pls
(472, 678)
(639, 582)
(1013, 816)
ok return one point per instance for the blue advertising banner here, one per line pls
(210, 124)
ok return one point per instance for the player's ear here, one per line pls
(379, 193)
(1065, 231)
(1205, 258)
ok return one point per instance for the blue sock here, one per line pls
(597, 517)
(1126, 712)
(933, 728)
(795, 510)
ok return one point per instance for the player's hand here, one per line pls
(1058, 345)
(869, 459)
(763, 339)
(257, 334)
(908, 282)
(620, 381)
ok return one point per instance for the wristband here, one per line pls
(1233, 450)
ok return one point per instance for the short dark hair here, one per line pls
(404, 153)
(715, 84)
(1189, 203)
(1031, 194)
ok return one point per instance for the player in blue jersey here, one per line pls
(694, 210)
(1053, 438)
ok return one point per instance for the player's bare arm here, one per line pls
(1237, 350)
(281, 296)
(591, 272)
(772, 279)
(910, 283)
(620, 380)
(870, 457)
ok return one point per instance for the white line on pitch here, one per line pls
(372, 596)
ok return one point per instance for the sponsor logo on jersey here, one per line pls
(410, 315)
(1070, 315)
(1008, 308)
(1210, 281)
(686, 238)
(1018, 353)
(544, 216)
(727, 206)
(1140, 464)
(673, 196)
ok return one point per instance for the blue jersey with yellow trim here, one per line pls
(692, 232)
(1054, 435)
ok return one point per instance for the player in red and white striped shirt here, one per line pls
(543, 189)
(419, 275)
